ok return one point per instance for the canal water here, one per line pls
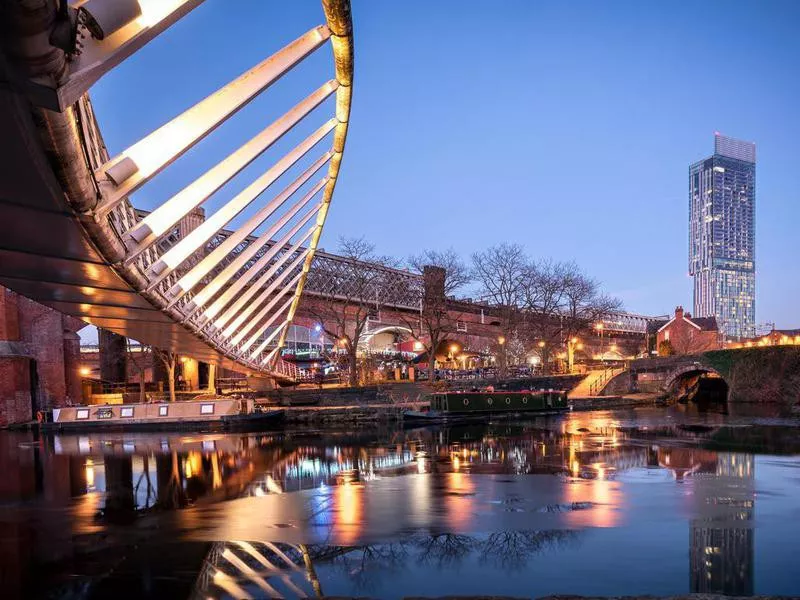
(641, 501)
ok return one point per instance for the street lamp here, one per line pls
(571, 346)
(501, 340)
(599, 327)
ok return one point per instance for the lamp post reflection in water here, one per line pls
(348, 508)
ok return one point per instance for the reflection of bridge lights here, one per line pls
(90, 474)
(422, 462)
(273, 485)
(456, 462)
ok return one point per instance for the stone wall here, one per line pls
(770, 374)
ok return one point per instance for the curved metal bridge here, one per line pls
(172, 277)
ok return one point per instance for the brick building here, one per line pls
(36, 375)
(685, 334)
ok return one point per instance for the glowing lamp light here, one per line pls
(542, 344)
(153, 11)
(84, 371)
(417, 345)
(453, 348)
(501, 340)
(184, 359)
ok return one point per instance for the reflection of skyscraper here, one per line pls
(722, 235)
(721, 545)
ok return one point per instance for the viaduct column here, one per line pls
(15, 364)
(113, 356)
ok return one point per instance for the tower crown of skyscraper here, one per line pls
(733, 148)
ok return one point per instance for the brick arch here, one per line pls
(367, 337)
(694, 367)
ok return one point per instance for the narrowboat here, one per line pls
(192, 415)
(456, 406)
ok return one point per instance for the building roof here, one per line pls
(789, 332)
(705, 323)
(702, 323)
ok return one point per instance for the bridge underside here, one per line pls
(46, 255)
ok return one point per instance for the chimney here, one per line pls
(679, 312)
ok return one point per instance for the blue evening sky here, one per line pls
(566, 126)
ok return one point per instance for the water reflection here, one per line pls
(302, 513)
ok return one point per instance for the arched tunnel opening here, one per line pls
(699, 386)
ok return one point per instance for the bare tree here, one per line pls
(560, 301)
(139, 356)
(169, 360)
(500, 273)
(354, 288)
(543, 293)
(584, 303)
(444, 273)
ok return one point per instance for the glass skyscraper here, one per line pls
(722, 198)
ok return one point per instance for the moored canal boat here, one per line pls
(452, 406)
(193, 415)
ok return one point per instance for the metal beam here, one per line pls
(271, 354)
(235, 288)
(200, 270)
(239, 322)
(263, 328)
(136, 165)
(205, 231)
(216, 284)
(292, 252)
(148, 230)
(235, 339)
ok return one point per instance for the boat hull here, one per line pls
(196, 415)
(467, 406)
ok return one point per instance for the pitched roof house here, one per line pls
(685, 334)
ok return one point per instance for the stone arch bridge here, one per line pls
(770, 374)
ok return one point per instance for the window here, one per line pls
(82, 413)
(104, 413)
(461, 326)
(163, 411)
(206, 409)
(666, 335)
(374, 316)
(126, 412)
